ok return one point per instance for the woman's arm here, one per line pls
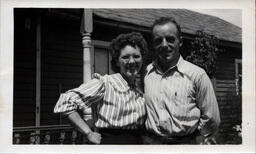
(75, 99)
(83, 127)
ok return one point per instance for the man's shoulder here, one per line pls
(150, 66)
(190, 67)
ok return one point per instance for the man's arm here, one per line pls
(207, 102)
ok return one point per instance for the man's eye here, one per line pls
(157, 41)
(170, 39)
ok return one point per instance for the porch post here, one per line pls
(86, 30)
(38, 69)
(38, 77)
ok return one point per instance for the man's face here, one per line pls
(166, 43)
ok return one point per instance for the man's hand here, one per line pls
(94, 137)
(206, 140)
(209, 141)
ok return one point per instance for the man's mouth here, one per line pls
(166, 55)
(166, 51)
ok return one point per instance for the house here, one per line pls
(49, 59)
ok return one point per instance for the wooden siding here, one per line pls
(62, 64)
(230, 104)
(24, 68)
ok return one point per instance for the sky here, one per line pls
(233, 16)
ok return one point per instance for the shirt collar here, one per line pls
(180, 66)
(122, 85)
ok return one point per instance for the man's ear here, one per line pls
(181, 41)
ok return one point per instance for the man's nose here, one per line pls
(164, 42)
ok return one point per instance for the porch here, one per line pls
(54, 134)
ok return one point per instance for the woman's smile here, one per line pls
(130, 61)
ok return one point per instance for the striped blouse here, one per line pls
(117, 105)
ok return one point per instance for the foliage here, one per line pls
(204, 52)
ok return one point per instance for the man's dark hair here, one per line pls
(165, 20)
(133, 39)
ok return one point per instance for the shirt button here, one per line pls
(161, 107)
(136, 114)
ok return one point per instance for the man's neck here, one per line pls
(166, 66)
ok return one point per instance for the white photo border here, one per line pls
(248, 65)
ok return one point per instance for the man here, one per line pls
(180, 100)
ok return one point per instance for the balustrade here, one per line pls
(63, 134)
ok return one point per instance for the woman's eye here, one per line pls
(125, 57)
(136, 56)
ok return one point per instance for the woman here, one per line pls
(119, 104)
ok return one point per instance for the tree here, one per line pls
(204, 52)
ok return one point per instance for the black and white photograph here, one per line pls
(137, 77)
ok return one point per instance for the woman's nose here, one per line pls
(131, 60)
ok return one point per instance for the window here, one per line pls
(238, 67)
(101, 58)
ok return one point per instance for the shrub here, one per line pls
(204, 52)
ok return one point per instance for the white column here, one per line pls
(86, 30)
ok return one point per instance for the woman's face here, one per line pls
(130, 61)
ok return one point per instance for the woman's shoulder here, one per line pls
(105, 77)
(114, 80)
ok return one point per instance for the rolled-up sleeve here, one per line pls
(207, 102)
(81, 97)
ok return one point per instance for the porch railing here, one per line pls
(54, 134)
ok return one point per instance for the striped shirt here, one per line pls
(117, 104)
(180, 100)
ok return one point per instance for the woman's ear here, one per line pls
(117, 63)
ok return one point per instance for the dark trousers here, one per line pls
(151, 138)
(120, 136)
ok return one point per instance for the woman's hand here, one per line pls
(94, 137)
(83, 127)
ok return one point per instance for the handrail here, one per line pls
(47, 127)
(49, 134)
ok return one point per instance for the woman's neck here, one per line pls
(130, 80)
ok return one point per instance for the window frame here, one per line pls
(238, 62)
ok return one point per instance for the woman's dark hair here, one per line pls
(133, 39)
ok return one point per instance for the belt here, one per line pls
(120, 131)
(175, 139)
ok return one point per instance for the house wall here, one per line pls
(24, 68)
(230, 104)
(62, 63)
